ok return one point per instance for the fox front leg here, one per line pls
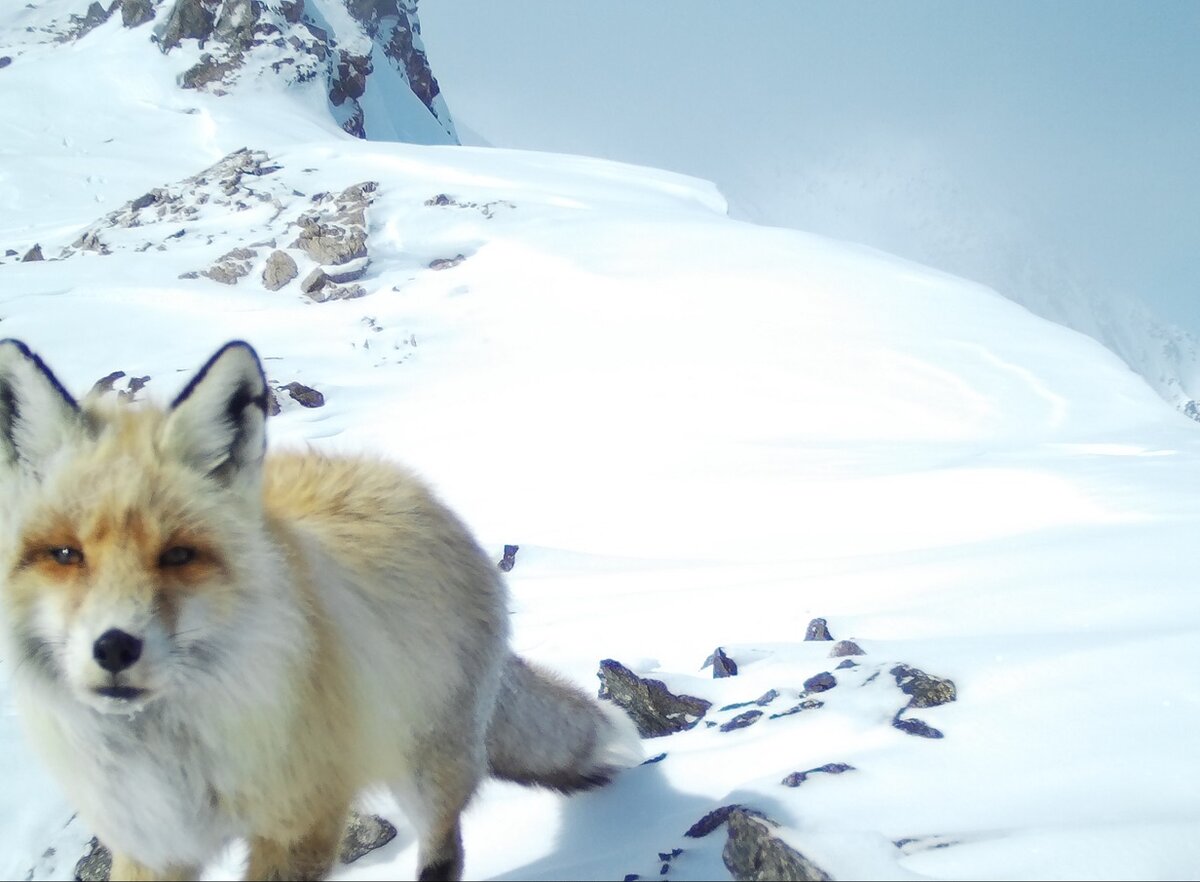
(126, 869)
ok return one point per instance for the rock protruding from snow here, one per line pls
(280, 270)
(925, 689)
(654, 709)
(722, 664)
(95, 865)
(818, 629)
(364, 834)
(845, 647)
(753, 852)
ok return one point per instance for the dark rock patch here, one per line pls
(915, 727)
(188, 20)
(136, 12)
(364, 833)
(807, 704)
(306, 396)
(509, 560)
(753, 853)
(925, 689)
(442, 263)
(95, 865)
(821, 682)
(818, 629)
(5, 60)
(715, 819)
(654, 709)
(722, 665)
(795, 779)
(845, 664)
(34, 253)
(741, 721)
(845, 647)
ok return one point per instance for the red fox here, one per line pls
(211, 642)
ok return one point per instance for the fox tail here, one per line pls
(548, 733)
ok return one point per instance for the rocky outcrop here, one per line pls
(256, 40)
(754, 852)
(654, 709)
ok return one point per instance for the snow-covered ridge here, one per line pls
(368, 53)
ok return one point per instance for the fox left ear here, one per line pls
(217, 424)
(36, 413)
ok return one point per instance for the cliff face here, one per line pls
(368, 53)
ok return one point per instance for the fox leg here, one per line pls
(441, 782)
(128, 869)
(308, 857)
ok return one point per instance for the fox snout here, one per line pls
(116, 650)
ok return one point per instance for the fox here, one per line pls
(213, 642)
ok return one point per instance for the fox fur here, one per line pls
(212, 643)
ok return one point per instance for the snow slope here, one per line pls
(701, 433)
(1046, 150)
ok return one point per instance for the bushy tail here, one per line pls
(549, 733)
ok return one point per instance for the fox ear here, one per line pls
(36, 413)
(217, 425)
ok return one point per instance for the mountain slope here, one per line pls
(700, 432)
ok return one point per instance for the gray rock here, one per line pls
(280, 270)
(338, 292)
(767, 697)
(293, 10)
(105, 384)
(845, 647)
(207, 70)
(34, 253)
(742, 720)
(752, 852)
(231, 266)
(442, 263)
(188, 20)
(365, 833)
(818, 629)
(509, 560)
(807, 704)
(136, 12)
(795, 779)
(722, 665)
(5, 60)
(314, 281)
(96, 865)
(654, 709)
(305, 395)
(925, 689)
(820, 682)
(846, 663)
(915, 727)
(715, 819)
(332, 244)
(348, 272)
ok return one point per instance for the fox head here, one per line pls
(127, 534)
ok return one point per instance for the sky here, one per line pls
(1039, 148)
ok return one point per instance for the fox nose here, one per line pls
(115, 650)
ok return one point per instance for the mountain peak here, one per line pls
(368, 53)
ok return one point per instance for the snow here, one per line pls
(701, 432)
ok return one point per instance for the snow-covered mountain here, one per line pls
(700, 433)
(1045, 151)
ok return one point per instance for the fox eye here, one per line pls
(177, 556)
(66, 555)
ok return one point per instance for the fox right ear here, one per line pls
(36, 412)
(217, 425)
